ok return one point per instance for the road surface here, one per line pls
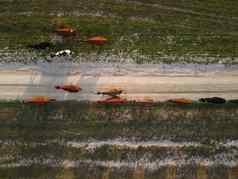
(139, 82)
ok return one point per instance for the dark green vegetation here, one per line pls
(87, 172)
(144, 31)
(194, 122)
(46, 140)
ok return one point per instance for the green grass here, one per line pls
(40, 132)
(143, 32)
(67, 120)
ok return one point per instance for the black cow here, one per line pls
(215, 100)
(41, 46)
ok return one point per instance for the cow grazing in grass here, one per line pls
(62, 53)
(41, 45)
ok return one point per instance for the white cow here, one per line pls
(61, 53)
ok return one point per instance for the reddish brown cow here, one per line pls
(69, 88)
(97, 40)
(39, 100)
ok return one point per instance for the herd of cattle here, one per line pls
(114, 94)
(114, 97)
(67, 33)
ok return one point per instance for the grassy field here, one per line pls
(42, 141)
(144, 31)
(186, 122)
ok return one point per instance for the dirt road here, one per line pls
(146, 82)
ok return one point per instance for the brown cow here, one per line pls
(97, 40)
(69, 88)
(39, 100)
